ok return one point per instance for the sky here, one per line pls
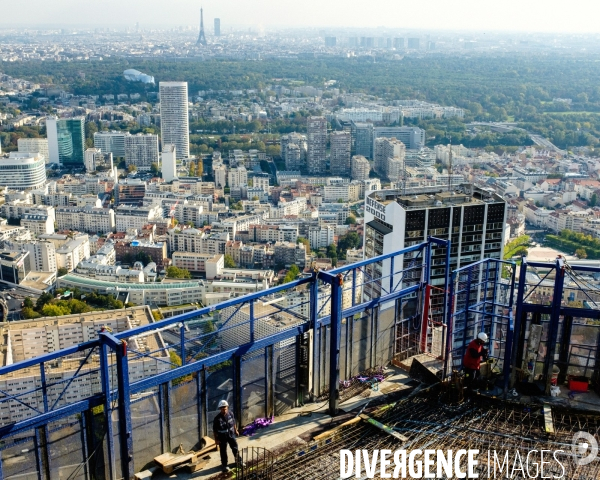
(479, 15)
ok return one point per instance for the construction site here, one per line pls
(316, 370)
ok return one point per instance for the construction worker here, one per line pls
(473, 356)
(225, 431)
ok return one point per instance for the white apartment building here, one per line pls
(38, 223)
(34, 145)
(283, 209)
(141, 150)
(207, 263)
(360, 168)
(237, 177)
(23, 171)
(174, 123)
(169, 163)
(220, 173)
(18, 209)
(320, 236)
(95, 158)
(128, 217)
(385, 148)
(42, 256)
(86, 219)
(72, 252)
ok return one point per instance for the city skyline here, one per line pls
(467, 15)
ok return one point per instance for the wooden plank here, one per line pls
(548, 423)
(383, 427)
(329, 433)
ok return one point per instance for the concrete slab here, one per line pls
(293, 429)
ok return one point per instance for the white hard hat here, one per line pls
(483, 337)
(223, 403)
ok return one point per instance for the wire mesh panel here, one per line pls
(285, 362)
(253, 387)
(219, 380)
(146, 426)
(19, 459)
(66, 452)
(361, 342)
(184, 414)
(255, 463)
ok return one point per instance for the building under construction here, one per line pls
(337, 369)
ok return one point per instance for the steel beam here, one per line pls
(519, 339)
(337, 286)
(554, 321)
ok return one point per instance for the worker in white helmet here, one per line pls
(472, 360)
(225, 430)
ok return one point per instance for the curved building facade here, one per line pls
(22, 171)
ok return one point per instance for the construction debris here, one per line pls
(192, 461)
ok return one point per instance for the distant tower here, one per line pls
(201, 37)
(217, 27)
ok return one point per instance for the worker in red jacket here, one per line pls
(473, 356)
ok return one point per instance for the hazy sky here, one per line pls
(524, 15)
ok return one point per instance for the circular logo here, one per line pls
(585, 448)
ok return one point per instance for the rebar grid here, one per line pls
(429, 424)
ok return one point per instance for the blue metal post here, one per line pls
(314, 324)
(337, 285)
(554, 321)
(182, 341)
(518, 341)
(467, 301)
(251, 320)
(237, 388)
(449, 322)
(164, 403)
(391, 288)
(202, 403)
(84, 445)
(110, 445)
(124, 403)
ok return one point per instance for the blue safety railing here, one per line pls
(105, 408)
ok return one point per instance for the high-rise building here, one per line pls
(412, 137)
(340, 153)
(111, 142)
(169, 163)
(237, 177)
(130, 192)
(217, 27)
(362, 139)
(317, 144)
(293, 151)
(22, 171)
(34, 145)
(330, 41)
(66, 141)
(174, 125)
(384, 149)
(398, 42)
(141, 150)
(471, 218)
(360, 168)
(414, 43)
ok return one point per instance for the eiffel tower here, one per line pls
(201, 37)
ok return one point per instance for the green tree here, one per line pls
(192, 172)
(51, 310)
(229, 262)
(131, 169)
(581, 253)
(29, 313)
(61, 272)
(237, 206)
(154, 169)
(43, 300)
(176, 272)
(594, 200)
(304, 241)
(351, 220)
(27, 302)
